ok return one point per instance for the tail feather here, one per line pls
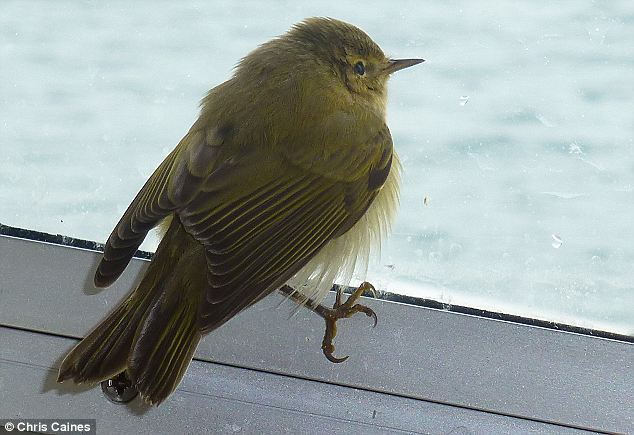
(163, 348)
(153, 334)
(104, 352)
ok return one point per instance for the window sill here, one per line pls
(420, 370)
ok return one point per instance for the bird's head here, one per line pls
(325, 56)
(345, 54)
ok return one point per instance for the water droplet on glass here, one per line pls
(541, 118)
(455, 249)
(573, 148)
(557, 242)
(435, 256)
(464, 100)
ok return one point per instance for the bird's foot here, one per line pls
(341, 311)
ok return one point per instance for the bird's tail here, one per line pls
(152, 335)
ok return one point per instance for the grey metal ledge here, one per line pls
(421, 370)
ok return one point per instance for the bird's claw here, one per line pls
(343, 310)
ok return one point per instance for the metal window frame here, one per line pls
(421, 370)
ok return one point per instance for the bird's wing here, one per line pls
(173, 184)
(260, 217)
(256, 241)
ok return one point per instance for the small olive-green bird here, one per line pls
(285, 182)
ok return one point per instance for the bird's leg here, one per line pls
(338, 311)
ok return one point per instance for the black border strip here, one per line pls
(59, 239)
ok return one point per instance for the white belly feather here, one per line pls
(349, 254)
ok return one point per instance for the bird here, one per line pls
(286, 181)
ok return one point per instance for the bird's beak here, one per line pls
(394, 65)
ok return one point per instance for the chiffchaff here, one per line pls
(284, 182)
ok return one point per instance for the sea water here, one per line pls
(515, 134)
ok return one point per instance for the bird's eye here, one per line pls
(359, 68)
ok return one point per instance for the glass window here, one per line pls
(515, 135)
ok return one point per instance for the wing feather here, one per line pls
(259, 217)
(252, 235)
(170, 186)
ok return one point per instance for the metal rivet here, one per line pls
(119, 389)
